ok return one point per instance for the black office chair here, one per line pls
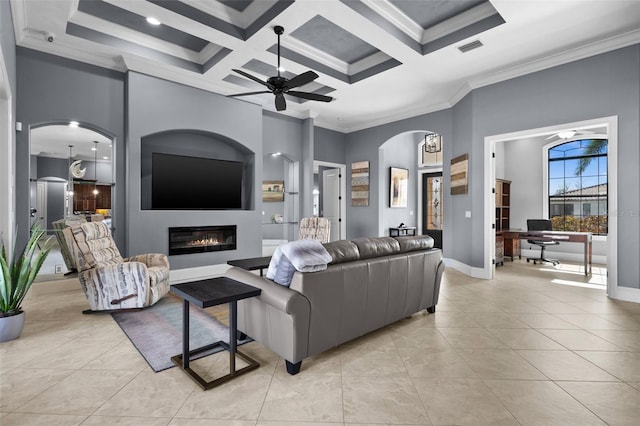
(541, 225)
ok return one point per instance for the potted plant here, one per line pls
(18, 271)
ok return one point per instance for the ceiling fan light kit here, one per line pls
(279, 85)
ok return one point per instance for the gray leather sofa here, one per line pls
(370, 283)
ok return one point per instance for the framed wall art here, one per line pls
(398, 187)
(360, 183)
(272, 191)
(459, 175)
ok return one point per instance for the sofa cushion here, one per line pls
(413, 243)
(342, 251)
(376, 247)
(300, 255)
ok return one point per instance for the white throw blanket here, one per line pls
(300, 255)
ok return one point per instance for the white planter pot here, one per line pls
(11, 327)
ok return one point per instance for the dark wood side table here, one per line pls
(402, 232)
(203, 294)
(251, 263)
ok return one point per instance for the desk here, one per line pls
(203, 294)
(586, 238)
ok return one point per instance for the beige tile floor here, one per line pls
(535, 345)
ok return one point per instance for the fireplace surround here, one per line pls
(201, 239)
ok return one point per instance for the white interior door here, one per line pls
(41, 204)
(331, 201)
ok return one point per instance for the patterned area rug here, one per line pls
(157, 331)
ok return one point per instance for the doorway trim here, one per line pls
(420, 200)
(611, 123)
(343, 192)
(7, 154)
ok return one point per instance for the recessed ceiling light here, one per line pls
(94, 149)
(105, 158)
(73, 124)
(153, 21)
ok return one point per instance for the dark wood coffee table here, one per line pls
(203, 294)
(252, 263)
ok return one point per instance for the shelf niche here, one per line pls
(194, 143)
(281, 167)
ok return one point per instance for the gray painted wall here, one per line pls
(399, 151)
(459, 235)
(364, 146)
(155, 106)
(56, 90)
(55, 202)
(329, 145)
(599, 86)
(282, 134)
(44, 167)
(8, 60)
(8, 42)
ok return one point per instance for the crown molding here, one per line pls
(559, 58)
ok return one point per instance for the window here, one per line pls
(578, 186)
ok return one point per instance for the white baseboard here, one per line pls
(466, 269)
(178, 276)
(626, 294)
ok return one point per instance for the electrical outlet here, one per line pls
(58, 269)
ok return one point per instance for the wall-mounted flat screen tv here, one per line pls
(179, 182)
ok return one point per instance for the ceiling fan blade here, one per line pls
(301, 80)
(281, 104)
(310, 96)
(256, 79)
(248, 93)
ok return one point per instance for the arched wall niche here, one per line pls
(200, 144)
(400, 151)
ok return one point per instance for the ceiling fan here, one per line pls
(568, 134)
(280, 86)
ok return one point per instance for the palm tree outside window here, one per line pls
(578, 186)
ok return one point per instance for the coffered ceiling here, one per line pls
(381, 60)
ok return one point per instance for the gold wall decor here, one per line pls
(460, 175)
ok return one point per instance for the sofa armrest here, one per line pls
(278, 318)
(275, 295)
(150, 259)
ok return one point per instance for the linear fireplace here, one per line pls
(201, 239)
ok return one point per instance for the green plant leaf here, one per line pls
(19, 270)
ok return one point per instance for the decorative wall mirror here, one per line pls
(71, 178)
